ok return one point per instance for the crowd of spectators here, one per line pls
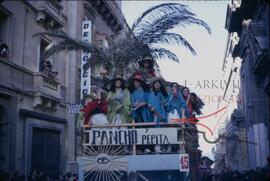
(36, 176)
(260, 174)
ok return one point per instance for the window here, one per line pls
(46, 151)
(4, 142)
(43, 45)
(4, 51)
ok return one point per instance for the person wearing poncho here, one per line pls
(146, 69)
(95, 111)
(139, 99)
(157, 100)
(119, 108)
(176, 105)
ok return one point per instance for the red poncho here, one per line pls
(94, 107)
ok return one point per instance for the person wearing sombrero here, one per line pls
(157, 100)
(139, 99)
(146, 69)
(119, 108)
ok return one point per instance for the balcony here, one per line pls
(47, 91)
(46, 85)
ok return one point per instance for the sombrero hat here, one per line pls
(148, 59)
(118, 77)
(156, 78)
(140, 79)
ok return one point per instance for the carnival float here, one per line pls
(133, 124)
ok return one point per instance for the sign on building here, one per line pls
(86, 74)
(140, 136)
(183, 162)
(74, 108)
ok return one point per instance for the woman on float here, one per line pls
(157, 100)
(119, 108)
(139, 99)
(176, 105)
(187, 97)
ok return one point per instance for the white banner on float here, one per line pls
(141, 136)
(86, 75)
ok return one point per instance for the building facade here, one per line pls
(229, 150)
(36, 131)
(248, 21)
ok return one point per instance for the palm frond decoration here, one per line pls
(171, 38)
(153, 25)
(157, 11)
(147, 36)
(162, 53)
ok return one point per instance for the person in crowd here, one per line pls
(176, 105)
(139, 99)
(33, 175)
(95, 110)
(157, 100)
(119, 109)
(266, 169)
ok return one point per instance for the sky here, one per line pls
(201, 73)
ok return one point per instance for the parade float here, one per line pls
(133, 124)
